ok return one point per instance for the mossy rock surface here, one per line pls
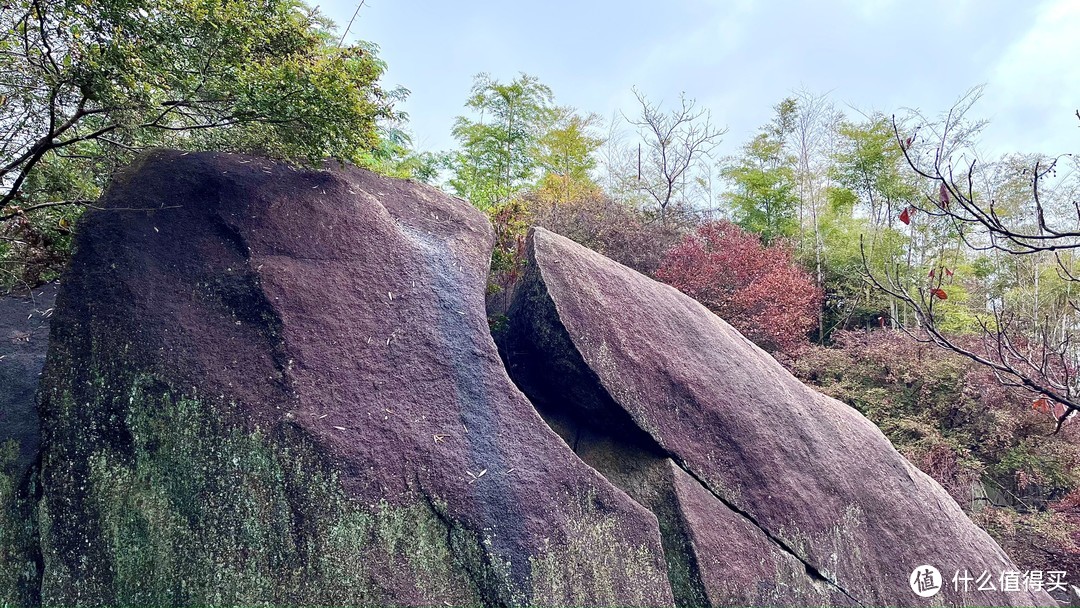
(24, 339)
(269, 386)
(274, 386)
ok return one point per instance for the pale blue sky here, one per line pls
(739, 58)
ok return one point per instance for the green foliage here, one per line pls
(956, 315)
(86, 85)
(519, 152)
(870, 163)
(498, 148)
(565, 156)
(396, 157)
(394, 154)
(566, 148)
(871, 193)
(764, 197)
(850, 300)
(1039, 467)
(510, 221)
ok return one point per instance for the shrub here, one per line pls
(759, 289)
(610, 227)
(983, 442)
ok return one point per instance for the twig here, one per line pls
(349, 27)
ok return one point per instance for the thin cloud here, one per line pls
(741, 58)
(1034, 88)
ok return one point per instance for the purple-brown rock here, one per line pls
(766, 491)
(277, 386)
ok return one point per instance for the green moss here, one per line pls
(840, 542)
(683, 574)
(19, 571)
(8, 568)
(405, 543)
(194, 511)
(594, 566)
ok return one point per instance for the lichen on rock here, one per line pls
(278, 388)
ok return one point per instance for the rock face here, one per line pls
(24, 338)
(766, 491)
(270, 386)
(277, 386)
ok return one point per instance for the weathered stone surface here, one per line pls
(24, 338)
(757, 462)
(277, 386)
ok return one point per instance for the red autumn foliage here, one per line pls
(1048, 407)
(760, 290)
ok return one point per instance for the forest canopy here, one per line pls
(87, 84)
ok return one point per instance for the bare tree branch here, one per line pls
(675, 141)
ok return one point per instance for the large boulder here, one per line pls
(277, 386)
(766, 491)
(268, 385)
